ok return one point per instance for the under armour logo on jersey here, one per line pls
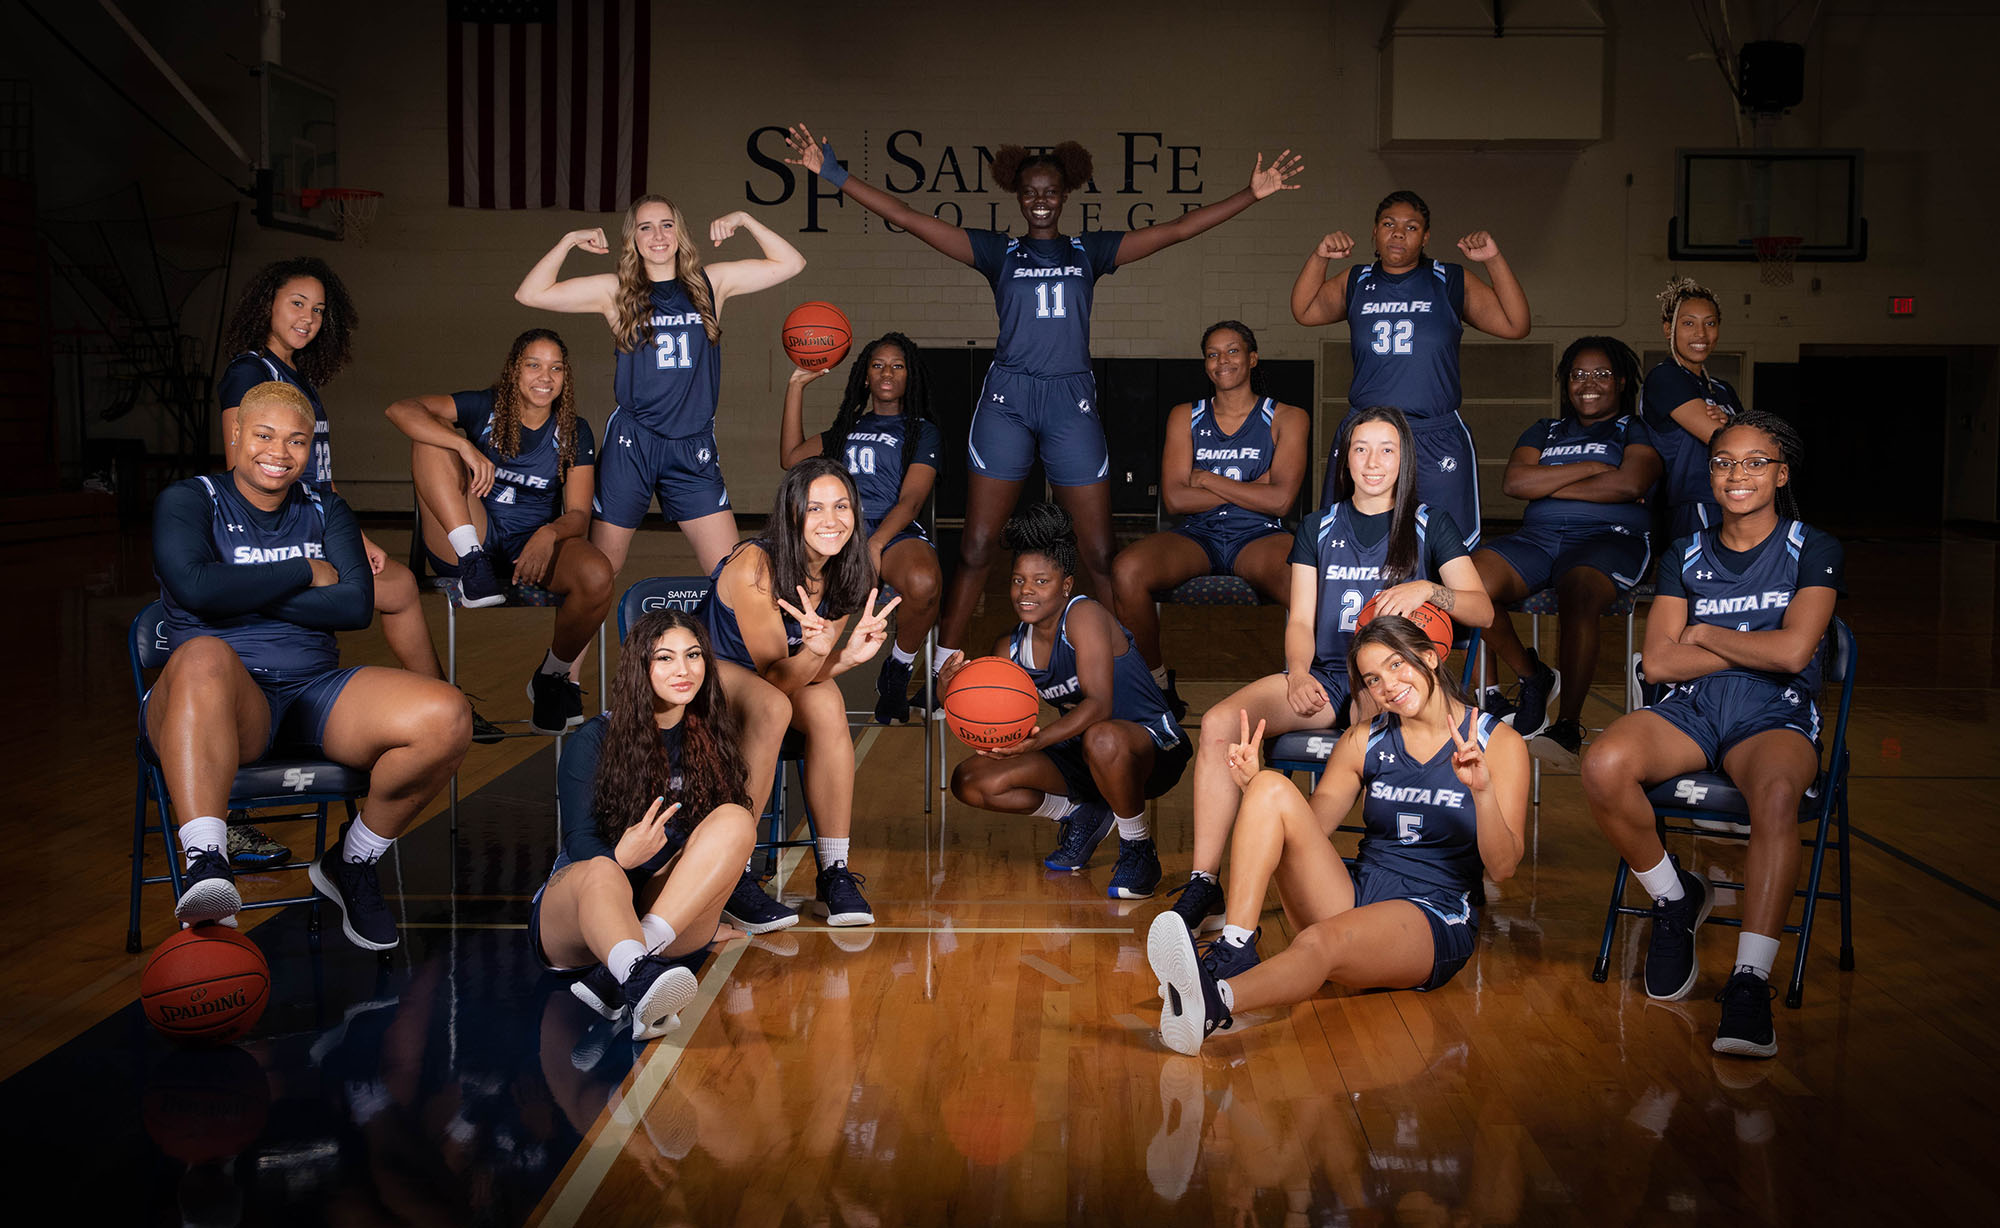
(998, 399)
(1448, 464)
(1829, 571)
(1704, 575)
(298, 780)
(625, 441)
(1385, 756)
(1338, 544)
(234, 528)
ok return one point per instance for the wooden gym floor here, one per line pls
(987, 1052)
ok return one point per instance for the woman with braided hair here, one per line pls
(1683, 405)
(508, 502)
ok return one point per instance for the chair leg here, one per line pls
(138, 861)
(1603, 968)
(1796, 993)
(1846, 882)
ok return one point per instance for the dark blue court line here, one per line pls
(1918, 863)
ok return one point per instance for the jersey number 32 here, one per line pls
(1393, 336)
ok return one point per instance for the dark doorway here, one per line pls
(1853, 413)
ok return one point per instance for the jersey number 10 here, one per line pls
(1393, 336)
(1043, 293)
(670, 345)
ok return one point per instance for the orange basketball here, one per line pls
(817, 335)
(991, 702)
(1433, 621)
(207, 984)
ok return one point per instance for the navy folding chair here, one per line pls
(275, 780)
(1708, 805)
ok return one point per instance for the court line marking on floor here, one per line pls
(1924, 867)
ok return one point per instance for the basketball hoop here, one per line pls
(1775, 254)
(353, 209)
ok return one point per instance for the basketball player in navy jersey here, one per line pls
(1585, 475)
(664, 307)
(1684, 405)
(1737, 631)
(1230, 468)
(1375, 539)
(1444, 797)
(1114, 746)
(884, 432)
(258, 569)
(1405, 314)
(1039, 397)
(508, 502)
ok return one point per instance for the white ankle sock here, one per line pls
(1227, 994)
(1756, 952)
(464, 539)
(1207, 875)
(1054, 806)
(900, 657)
(939, 656)
(1160, 677)
(206, 832)
(625, 953)
(832, 850)
(656, 931)
(362, 844)
(553, 664)
(1235, 935)
(1663, 881)
(1133, 828)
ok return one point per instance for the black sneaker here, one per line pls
(478, 586)
(558, 703)
(892, 691)
(1538, 690)
(485, 732)
(1494, 703)
(251, 849)
(1137, 874)
(1225, 959)
(1670, 962)
(1174, 700)
(208, 889)
(839, 894)
(600, 991)
(657, 989)
(752, 910)
(1192, 1006)
(1560, 746)
(1200, 905)
(1081, 833)
(357, 892)
(1746, 1029)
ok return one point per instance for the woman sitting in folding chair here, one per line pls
(777, 663)
(655, 826)
(257, 571)
(1737, 630)
(508, 502)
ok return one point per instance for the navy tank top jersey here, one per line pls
(1350, 572)
(875, 456)
(527, 488)
(254, 367)
(1568, 441)
(1242, 457)
(725, 634)
(1404, 330)
(1135, 696)
(1421, 820)
(1685, 458)
(1750, 590)
(672, 382)
(1042, 290)
(244, 535)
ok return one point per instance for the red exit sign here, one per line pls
(1903, 306)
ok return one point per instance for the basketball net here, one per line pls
(1775, 254)
(353, 209)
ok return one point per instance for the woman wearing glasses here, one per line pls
(1585, 475)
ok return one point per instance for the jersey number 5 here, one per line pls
(1409, 828)
(673, 351)
(1393, 336)
(1043, 293)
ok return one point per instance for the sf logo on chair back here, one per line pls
(1690, 792)
(298, 780)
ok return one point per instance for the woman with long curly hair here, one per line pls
(654, 825)
(664, 308)
(1039, 397)
(508, 502)
(885, 433)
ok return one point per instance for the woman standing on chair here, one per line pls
(1444, 797)
(1377, 538)
(664, 307)
(1230, 469)
(1405, 314)
(1115, 746)
(508, 502)
(655, 824)
(1684, 405)
(777, 660)
(1585, 534)
(884, 432)
(1039, 397)
(1737, 632)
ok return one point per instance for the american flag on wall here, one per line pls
(547, 103)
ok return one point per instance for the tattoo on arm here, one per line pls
(1442, 597)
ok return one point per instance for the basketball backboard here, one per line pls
(300, 150)
(1725, 199)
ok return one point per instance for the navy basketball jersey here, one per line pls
(1404, 330)
(1568, 441)
(527, 488)
(1750, 590)
(1685, 458)
(672, 382)
(1135, 696)
(1421, 819)
(1242, 457)
(1042, 290)
(254, 367)
(875, 456)
(1350, 572)
(243, 534)
(725, 634)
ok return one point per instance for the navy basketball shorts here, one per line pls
(1719, 710)
(1337, 694)
(1454, 921)
(1541, 554)
(1447, 470)
(1224, 541)
(300, 704)
(1020, 415)
(913, 531)
(634, 465)
(1169, 762)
